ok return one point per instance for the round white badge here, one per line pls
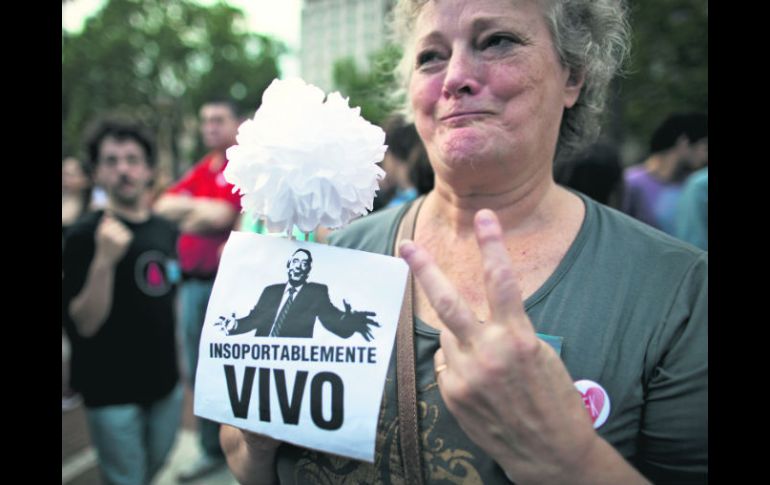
(596, 401)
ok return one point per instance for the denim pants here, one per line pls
(193, 300)
(132, 442)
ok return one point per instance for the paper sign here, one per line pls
(297, 341)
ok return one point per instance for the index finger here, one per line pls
(450, 306)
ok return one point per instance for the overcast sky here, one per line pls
(278, 18)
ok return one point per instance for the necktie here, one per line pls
(276, 331)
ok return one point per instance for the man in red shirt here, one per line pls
(204, 206)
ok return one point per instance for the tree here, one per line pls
(371, 90)
(668, 68)
(159, 60)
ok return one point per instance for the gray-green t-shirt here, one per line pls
(631, 305)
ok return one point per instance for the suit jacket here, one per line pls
(311, 302)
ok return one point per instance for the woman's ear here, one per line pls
(573, 87)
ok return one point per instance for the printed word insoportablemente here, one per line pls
(294, 353)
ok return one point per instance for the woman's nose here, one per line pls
(463, 73)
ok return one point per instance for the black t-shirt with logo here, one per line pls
(132, 358)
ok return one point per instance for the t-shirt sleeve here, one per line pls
(674, 433)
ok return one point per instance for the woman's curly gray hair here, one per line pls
(591, 37)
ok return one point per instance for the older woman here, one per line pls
(507, 261)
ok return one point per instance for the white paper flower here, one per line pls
(305, 162)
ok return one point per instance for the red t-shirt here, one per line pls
(199, 254)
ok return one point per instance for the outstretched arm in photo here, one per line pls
(261, 315)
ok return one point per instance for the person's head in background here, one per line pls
(123, 157)
(219, 122)
(401, 138)
(420, 172)
(402, 141)
(595, 171)
(75, 176)
(680, 144)
(76, 188)
(697, 131)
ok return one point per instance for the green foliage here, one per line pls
(668, 69)
(159, 60)
(373, 90)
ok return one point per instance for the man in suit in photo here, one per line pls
(290, 309)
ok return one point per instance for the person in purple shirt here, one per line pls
(652, 189)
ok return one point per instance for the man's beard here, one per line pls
(130, 199)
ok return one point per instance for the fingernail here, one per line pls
(484, 217)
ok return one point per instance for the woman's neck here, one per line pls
(520, 207)
(539, 221)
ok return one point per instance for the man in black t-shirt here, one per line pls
(117, 306)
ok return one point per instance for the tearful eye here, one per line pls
(499, 41)
(426, 57)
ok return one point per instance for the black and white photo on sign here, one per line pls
(297, 341)
(291, 308)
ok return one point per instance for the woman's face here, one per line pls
(73, 178)
(488, 87)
